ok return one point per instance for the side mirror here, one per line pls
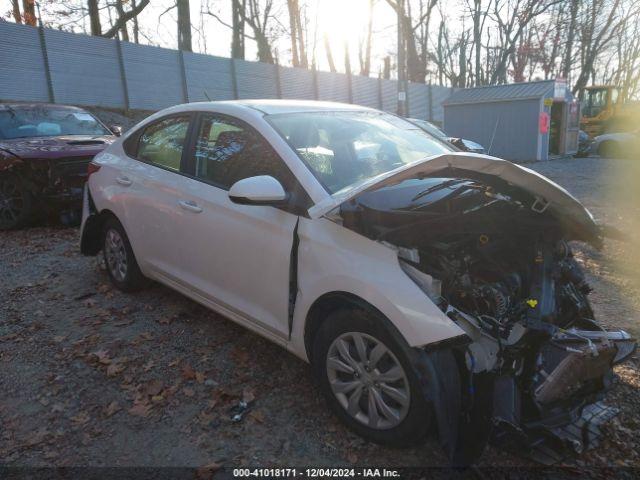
(116, 130)
(260, 190)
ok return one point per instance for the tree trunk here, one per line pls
(136, 27)
(94, 17)
(124, 33)
(264, 47)
(365, 67)
(237, 22)
(568, 54)
(327, 48)
(15, 7)
(477, 41)
(184, 26)
(293, 25)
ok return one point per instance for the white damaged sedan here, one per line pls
(431, 290)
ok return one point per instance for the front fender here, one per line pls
(332, 258)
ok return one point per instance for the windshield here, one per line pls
(43, 121)
(596, 102)
(346, 148)
(429, 128)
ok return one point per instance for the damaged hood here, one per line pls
(56, 147)
(548, 194)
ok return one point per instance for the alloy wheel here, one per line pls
(11, 202)
(368, 380)
(116, 254)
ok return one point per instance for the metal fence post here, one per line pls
(380, 99)
(45, 59)
(183, 74)
(349, 87)
(430, 103)
(278, 84)
(314, 77)
(234, 78)
(123, 74)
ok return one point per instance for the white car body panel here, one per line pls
(334, 259)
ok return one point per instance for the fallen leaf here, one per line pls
(187, 372)
(140, 409)
(80, 419)
(102, 356)
(148, 366)
(248, 396)
(199, 377)
(206, 472)
(189, 392)
(59, 338)
(154, 387)
(146, 335)
(112, 408)
(114, 369)
(257, 415)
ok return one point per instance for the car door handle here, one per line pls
(190, 205)
(124, 181)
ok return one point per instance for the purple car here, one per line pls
(44, 153)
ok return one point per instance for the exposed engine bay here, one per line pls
(498, 262)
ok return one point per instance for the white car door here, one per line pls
(152, 183)
(239, 256)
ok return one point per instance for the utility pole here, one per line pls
(402, 90)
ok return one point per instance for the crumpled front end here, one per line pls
(497, 259)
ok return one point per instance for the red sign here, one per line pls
(543, 122)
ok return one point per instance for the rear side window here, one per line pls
(162, 142)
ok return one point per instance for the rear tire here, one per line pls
(384, 380)
(16, 202)
(121, 263)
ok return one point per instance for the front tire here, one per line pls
(121, 263)
(366, 376)
(16, 202)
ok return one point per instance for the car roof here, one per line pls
(52, 106)
(273, 106)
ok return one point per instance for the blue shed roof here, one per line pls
(501, 93)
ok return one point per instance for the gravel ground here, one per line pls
(93, 376)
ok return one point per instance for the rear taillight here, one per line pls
(92, 168)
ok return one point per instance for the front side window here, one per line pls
(46, 121)
(162, 142)
(228, 151)
(343, 149)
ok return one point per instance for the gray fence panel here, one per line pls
(153, 76)
(297, 83)
(84, 70)
(256, 80)
(418, 95)
(21, 65)
(439, 95)
(390, 95)
(333, 87)
(365, 91)
(208, 74)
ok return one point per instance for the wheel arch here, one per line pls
(91, 239)
(336, 300)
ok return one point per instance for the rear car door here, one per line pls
(150, 180)
(239, 256)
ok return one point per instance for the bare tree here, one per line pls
(124, 33)
(297, 34)
(184, 25)
(15, 11)
(365, 52)
(598, 26)
(120, 22)
(327, 49)
(238, 7)
(94, 17)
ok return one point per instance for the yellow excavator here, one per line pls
(604, 112)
